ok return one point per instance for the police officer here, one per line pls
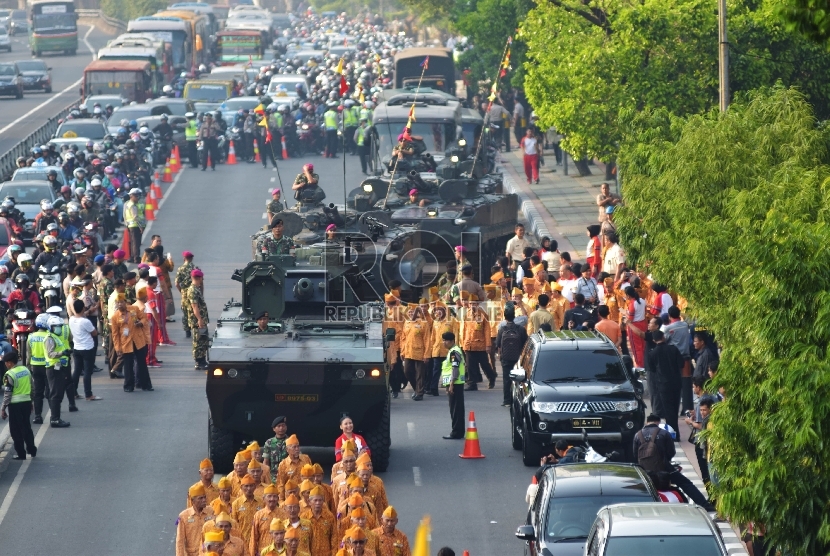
(132, 220)
(201, 340)
(350, 122)
(209, 133)
(56, 350)
(453, 373)
(17, 405)
(191, 134)
(361, 141)
(330, 121)
(37, 362)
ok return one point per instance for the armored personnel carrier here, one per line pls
(321, 357)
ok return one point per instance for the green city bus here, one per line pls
(53, 27)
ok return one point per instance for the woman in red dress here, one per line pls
(347, 426)
(593, 254)
(636, 315)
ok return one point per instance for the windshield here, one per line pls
(235, 48)
(572, 517)
(597, 365)
(19, 15)
(7, 69)
(90, 130)
(206, 92)
(436, 136)
(27, 174)
(54, 22)
(31, 65)
(103, 101)
(676, 546)
(27, 194)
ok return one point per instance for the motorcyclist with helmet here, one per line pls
(79, 179)
(66, 231)
(24, 294)
(52, 178)
(45, 217)
(21, 162)
(73, 211)
(50, 256)
(90, 211)
(164, 132)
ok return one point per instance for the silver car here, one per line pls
(654, 528)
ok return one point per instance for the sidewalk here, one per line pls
(561, 207)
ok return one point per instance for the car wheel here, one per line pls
(515, 437)
(19, 94)
(221, 447)
(47, 90)
(380, 440)
(531, 452)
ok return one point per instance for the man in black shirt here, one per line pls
(666, 363)
(576, 318)
(509, 342)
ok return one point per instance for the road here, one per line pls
(115, 481)
(18, 118)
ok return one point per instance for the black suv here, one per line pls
(569, 381)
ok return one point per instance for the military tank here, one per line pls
(381, 249)
(321, 357)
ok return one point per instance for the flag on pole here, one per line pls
(344, 87)
(340, 67)
(260, 109)
(425, 63)
(421, 544)
(412, 113)
(268, 136)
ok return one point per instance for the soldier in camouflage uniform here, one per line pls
(105, 288)
(183, 282)
(199, 319)
(275, 243)
(131, 278)
(274, 205)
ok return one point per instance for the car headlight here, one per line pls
(627, 406)
(543, 407)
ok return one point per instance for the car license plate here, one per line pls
(296, 397)
(24, 322)
(587, 423)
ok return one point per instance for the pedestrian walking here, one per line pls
(17, 405)
(453, 376)
(532, 152)
(509, 342)
(130, 336)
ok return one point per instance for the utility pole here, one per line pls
(723, 57)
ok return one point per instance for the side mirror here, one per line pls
(390, 334)
(517, 375)
(526, 533)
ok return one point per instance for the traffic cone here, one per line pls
(156, 189)
(471, 448)
(465, 553)
(125, 244)
(168, 173)
(150, 215)
(284, 149)
(256, 152)
(156, 177)
(175, 161)
(151, 199)
(231, 154)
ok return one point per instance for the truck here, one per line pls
(320, 358)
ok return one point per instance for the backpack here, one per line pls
(649, 455)
(511, 338)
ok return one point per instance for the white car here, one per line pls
(654, 528)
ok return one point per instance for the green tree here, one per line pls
(811, 18)
(125, 11)
(585, 65)
(732, 210)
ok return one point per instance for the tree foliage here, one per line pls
(811, 18)
(125, 11)
(732, 210)
(591, 61)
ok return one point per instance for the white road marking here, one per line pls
(15, 486)
(273, 180)
(410, 430)
(416, 474)
(53, 97)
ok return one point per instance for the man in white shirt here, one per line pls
(568, 283)
(516, 245)
(83, 348)
(614, 261)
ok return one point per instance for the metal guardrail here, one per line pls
(111, 21)
(41, 136)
